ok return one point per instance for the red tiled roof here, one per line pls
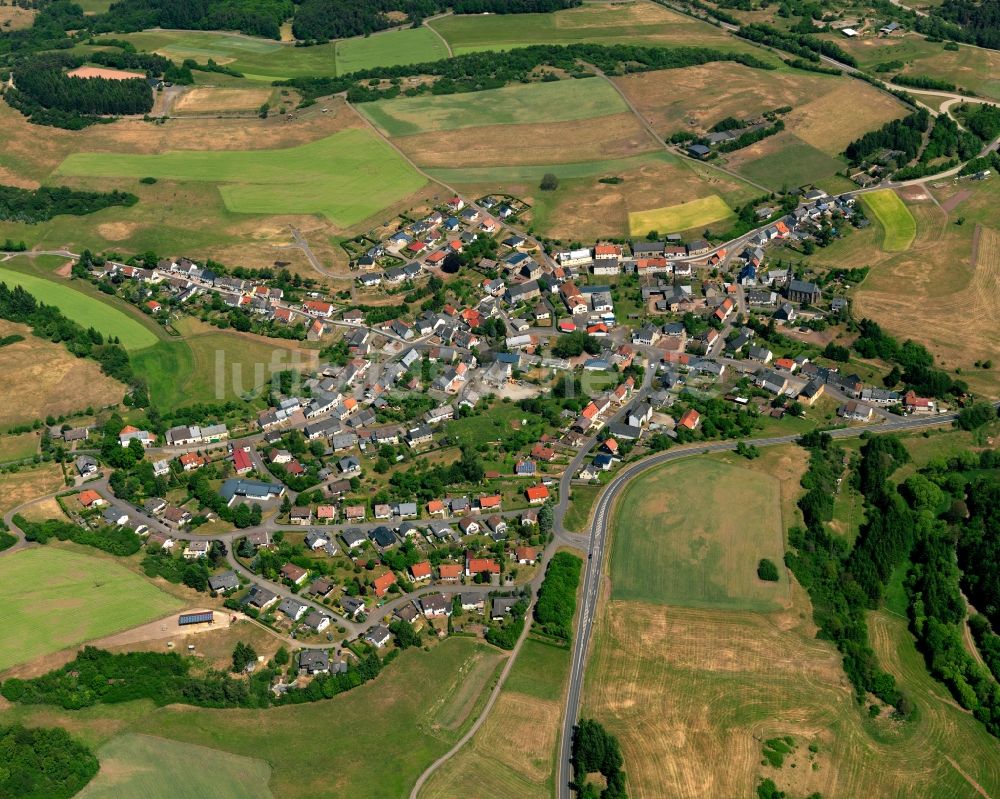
(241, 460)
(88, 497)
(481, 565)
(690, 419)
(382, 583)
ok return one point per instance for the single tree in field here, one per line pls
(243, 656)
(549, 182)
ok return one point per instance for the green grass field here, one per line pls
(15, 448)
(540, 671)
(346, 177)
(86, 310)
(257, 59)
(792, 162)
(624, 23)
(504, 421)
(529, 173)
(144, 767)
(581, 503)
(55, 599)
(557, 101)
(669, 549)
(685, 216)
(208, 365)
(395, 725)
(409, 46)
(268, 60)
(898, 225)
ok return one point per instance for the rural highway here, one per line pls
(599, 543)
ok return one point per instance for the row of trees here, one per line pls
(48, 322)
(820, 561)
(490, 69)
(802, 45)
(114, 540)
(556, 605)
(252, 17)
(96, 676)
(41, 204)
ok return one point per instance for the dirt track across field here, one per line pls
(955, 200)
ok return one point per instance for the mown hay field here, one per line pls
(694, 534)
(175, 217)
(61, 383)
(950, 273)
(211, 100)
(409, 46)
(208, 365)
(17, 488)
(18, 447)
(147, 767)
(514, 752)
(785, 162)
(610, 137)
(56, 599)
(974, 68)
(816, 130)
(265, 60)
(346, 177)
(602, 23)
(258, 59)
(686, 690)
(697, 97)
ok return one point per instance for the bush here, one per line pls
(976, 415)
(766, 570)
(549, 182)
